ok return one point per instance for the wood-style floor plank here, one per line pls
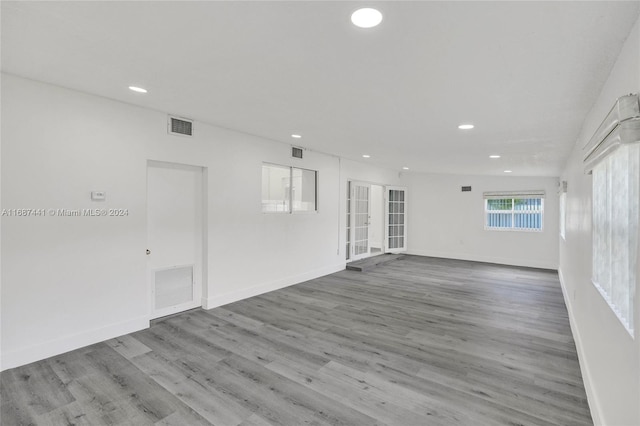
(417, 341)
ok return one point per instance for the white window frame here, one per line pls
(513, 212)
(291, 210)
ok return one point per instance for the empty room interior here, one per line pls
(320, 213)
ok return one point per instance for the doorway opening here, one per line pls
(376, 220)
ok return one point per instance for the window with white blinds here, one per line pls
(615, 229)
(514, 211)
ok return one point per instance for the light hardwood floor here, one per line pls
(418, 341)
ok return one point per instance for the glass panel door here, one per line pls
(360, 206)
(396, 219)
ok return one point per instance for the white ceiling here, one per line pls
(525, 73)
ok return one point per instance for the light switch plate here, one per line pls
(98, 195)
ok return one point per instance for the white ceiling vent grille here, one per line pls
(180, 126)
(296, 152)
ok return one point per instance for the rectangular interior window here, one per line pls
(615, 229)
(515, 212)
(288, 189)
(276, 188)
(303, 190)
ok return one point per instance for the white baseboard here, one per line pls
(592, 396)
(68, 343)
(234, 296)
(487, 259)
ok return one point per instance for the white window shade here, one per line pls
(615, 229)
(620, 127)
(612, 156)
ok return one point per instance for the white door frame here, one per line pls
(199, 273)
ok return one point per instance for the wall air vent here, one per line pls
(180, 126)
(466, 189)
(296, 152)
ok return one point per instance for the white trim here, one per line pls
(71, 342)
(487, 259)
(592, 395)
(234, 296)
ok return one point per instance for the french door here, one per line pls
(359, 220)
(395, 229)
(360, 211)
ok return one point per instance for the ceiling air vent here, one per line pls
(180, 126)
(296, 152)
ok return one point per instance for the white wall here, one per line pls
(609, 356)
(445, 222)
(71, 281)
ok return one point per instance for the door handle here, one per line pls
(148, 252)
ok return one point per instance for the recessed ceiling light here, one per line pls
(138, 89)
(494, 156)
(466, 126)
(366, 17)
(507, 171)
(405, 168)
(296, 136)
(366, 156)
